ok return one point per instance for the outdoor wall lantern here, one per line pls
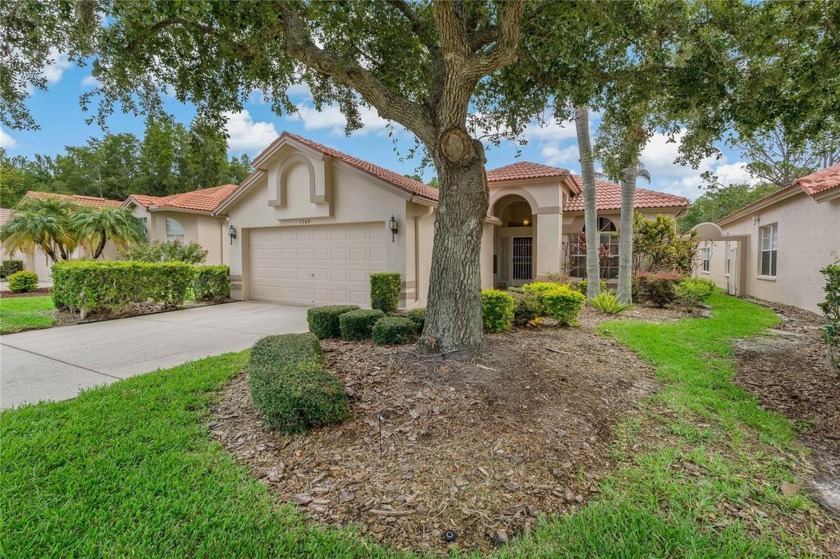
(392, 225)
(232, 233)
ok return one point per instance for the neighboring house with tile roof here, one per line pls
(774, 248)
(39, 262)
(312, 223)
(187, 217)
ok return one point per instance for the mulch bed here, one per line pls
(789, 372)
(479, 445)
(41, 291)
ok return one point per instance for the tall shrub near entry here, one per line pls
(85, 286)
(385, 291)
(497, 310)
(831, 309)
(290, 387)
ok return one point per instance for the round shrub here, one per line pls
(418, 317)
(393, 330)
(658, 287)
(358, 325)
(691, 292)
(526, 307)
(23, 282)
(497, 310)
(323, 321)
(291, 388)
(563, 304)
(385, 291)
(9, 267)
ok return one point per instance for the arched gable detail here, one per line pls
(281, 178)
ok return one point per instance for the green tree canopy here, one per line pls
(720, 202)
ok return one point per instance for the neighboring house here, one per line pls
(311, 223)
(774, 248)
(187, 217)
(39, 262)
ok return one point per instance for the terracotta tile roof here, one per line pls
(396, 179)
(205, 200)
(92, 201)
(524, 170)
(5, 215)
(608, 197)
(820, 181)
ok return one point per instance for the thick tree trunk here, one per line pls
(590, 211)
(453, 314)
(625, 239)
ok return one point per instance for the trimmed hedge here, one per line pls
(658, 287)
(418, 317)
(291, 388)
(9, 267)
(85, 286)
(212, 283)
(23, 282)
(385, 291)
(497, 310)
(393, 330)
(323, 321)
(358, 325)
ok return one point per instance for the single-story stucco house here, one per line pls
(39, 262)
(311, 223)
(774, 248)
(187, 217)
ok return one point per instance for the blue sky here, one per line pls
(62, 123)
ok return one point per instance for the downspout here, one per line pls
(417, 219)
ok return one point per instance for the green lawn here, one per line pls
(25, 313)
(129, 469)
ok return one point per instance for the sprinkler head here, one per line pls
(449, 536)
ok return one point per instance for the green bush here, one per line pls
(555, 277)
(418, 317)
(323, 321)
(9, 267)
(393, 330)
(497, 310)
(691, 292)
(831, 310)
(291, 388)
(608, 303)
(526, 307)
(581, 286)
(658, 287)
(358, 325)
(212, 283)
(159, 251)
(563, 304)
(385, 291)
(90, 285)
(23, 282)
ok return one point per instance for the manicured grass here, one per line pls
(25, 313)
(129, 469)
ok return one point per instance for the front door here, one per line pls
(522, 261)
(732, 266)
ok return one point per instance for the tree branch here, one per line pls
(417, 27)
(506, 48)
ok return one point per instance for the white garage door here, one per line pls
(316, 264)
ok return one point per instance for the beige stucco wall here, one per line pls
(343, 195)
(808, 239)
(208, 231)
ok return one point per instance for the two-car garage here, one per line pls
(315, 264)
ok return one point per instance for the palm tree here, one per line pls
(624, 293)
(96, 226)
(41, 224)
(590, 212)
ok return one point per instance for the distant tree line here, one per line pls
(170, 158)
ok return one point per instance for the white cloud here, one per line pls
(331, 118)
(298, 90)
(6, 141)
(55, 69)
(551, 132)
(247, 135)
(561, 156)
(90, 81)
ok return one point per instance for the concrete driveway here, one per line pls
(55, 364)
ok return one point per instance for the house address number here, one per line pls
(304, 221)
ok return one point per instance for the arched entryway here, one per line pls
(711, 239)
(514, 243)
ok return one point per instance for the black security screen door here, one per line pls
(522, 258)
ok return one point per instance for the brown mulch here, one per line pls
(789, 372)
(477, 445)
(67, 318)
(40, 292)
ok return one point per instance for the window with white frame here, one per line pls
(174, 230)
(706, 257)
(768, 238)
